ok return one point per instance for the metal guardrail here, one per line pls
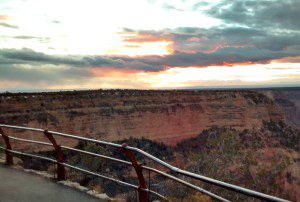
(129, 152)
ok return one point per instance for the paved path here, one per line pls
(19, 186)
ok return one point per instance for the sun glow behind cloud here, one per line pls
(160, 48)
(236, 75)
(214, 76)
(89, 27)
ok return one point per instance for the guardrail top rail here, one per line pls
(143, 191)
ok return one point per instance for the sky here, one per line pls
(148, 44)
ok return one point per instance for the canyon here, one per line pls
(167, 116)
(289, 102)
(246, 137)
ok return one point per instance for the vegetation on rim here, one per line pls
(259, 159)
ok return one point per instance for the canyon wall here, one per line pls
(166, 116)
(289, 103)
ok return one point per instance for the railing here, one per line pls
(143, 191)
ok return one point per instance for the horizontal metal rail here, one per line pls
(129, 164)
(21, 128)
(225, 185)
(30, 141)
(126, 184)
(97, 155)
(153, 170)
(218, 183)
(29, 155)
(186, 184)
(115, 180)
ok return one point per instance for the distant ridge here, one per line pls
(225, 88)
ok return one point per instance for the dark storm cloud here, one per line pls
(266, 24)
(266, 14)
(27, 56)
(192, 39)
(259, 38)
(30, 67)
(219, 57)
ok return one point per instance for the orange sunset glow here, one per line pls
(145, 48)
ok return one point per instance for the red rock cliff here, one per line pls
(167, 116)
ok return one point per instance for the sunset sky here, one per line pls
(148, 44)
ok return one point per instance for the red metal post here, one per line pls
(143, 194)
(61, 171)
(9, 157)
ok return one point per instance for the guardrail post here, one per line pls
(61, 171)
(143, 194)
(9, 157)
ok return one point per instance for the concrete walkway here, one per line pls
(19, 186)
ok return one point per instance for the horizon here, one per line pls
(213, 88)
(66, 45)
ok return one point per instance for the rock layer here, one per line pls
(166, 116)
(289, 102)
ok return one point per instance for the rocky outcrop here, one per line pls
(166, 116)
(289, 103)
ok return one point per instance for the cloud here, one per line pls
(55, 21)
(197, 40)
(199, 5)
(223, 56)
(295, 59)
(266, 14)
(192, 47)
(170, 7)
(28, 56)
(25, 37)
(42, 74)
(33, 68)
(3, 24)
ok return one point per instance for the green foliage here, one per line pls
(220, 152)
(287, 136)
(94, 164)
(154, 148)
(236, 157)
(256, 97)
(117, 170)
